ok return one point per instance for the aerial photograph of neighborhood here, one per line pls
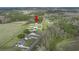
(39, 28)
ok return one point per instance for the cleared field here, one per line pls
(8, 33)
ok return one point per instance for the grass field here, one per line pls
(8, 33)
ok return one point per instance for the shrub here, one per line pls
(21, 35)
(26, 31)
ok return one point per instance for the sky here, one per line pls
(39, 3)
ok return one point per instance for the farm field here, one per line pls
(8, 33)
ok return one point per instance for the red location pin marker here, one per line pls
(36, 19)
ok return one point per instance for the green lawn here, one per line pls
(8, 33)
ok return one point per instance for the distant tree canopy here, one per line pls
(18, 16)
